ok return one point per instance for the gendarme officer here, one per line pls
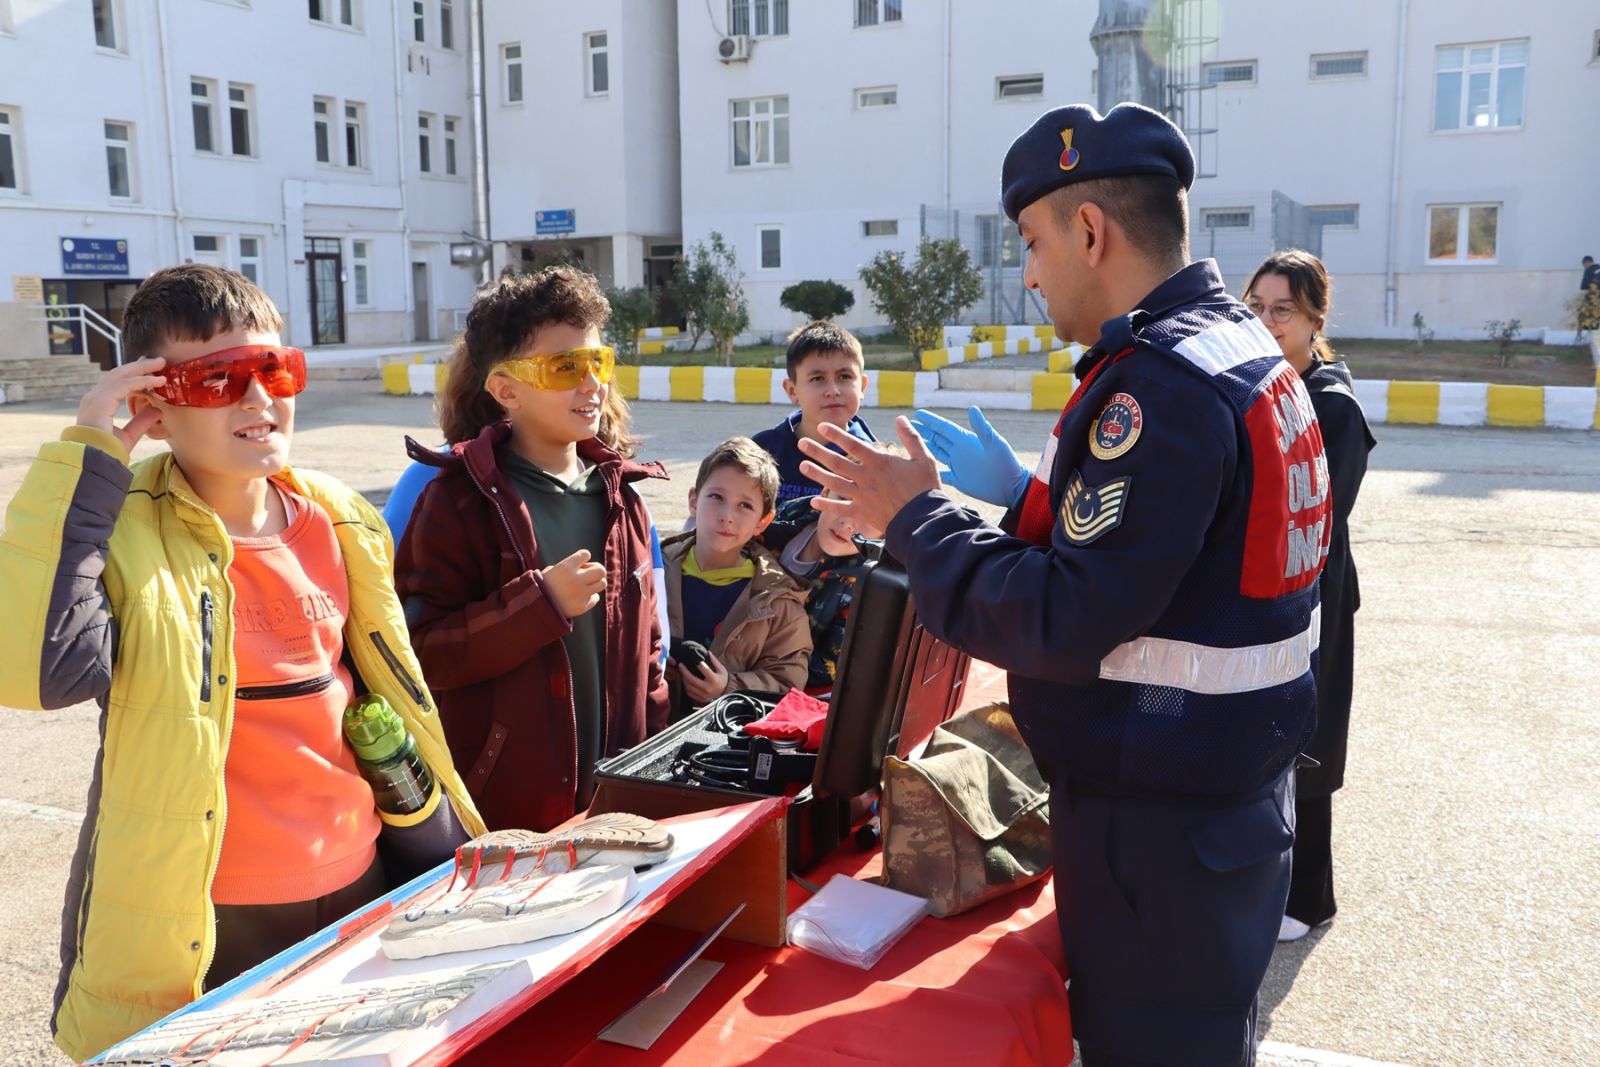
(1152, 591)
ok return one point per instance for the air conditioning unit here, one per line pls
(734, 49)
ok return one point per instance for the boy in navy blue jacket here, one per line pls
(827, 380)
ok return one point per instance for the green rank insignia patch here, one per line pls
(1088, 513)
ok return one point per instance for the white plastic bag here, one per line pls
(854, 922)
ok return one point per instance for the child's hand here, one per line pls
(709, 684)
(99, 407)
(575, 584)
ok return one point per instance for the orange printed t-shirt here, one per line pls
(301, 821)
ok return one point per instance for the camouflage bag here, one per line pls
(969, 820)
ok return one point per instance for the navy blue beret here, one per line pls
(1075, 144)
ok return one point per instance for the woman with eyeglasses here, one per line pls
(1289, 293)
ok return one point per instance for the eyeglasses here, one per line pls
(220, 378)
(1278, 313)
(561, 370)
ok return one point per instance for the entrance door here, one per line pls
(325, 267)
(65, 333)
(422, 306)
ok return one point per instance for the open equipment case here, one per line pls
(895, 683)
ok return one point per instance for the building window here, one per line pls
(355, 122)
(1479, 86)
(201, 92)
(880, 228)
(1237, 73)
(107, 25)
(240, 118)
(250, 259)
(425, 142)
(511, 72)
(1339, 65)
(1227, 218)
(10, 150)
(419, 21)
(1336, 216)
(597, 70)
(881, 96)
(874, 12)
(360, 258)
(1463, 233)
(320, 108)
(208, 245)
(1019, 87)
(770, 239)
(450, 125)
(761, 132)
(758, 18)
(340, 12)
(119, 160)
(999, 244)
(447, 24)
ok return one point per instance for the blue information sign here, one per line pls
(94, 255)
(548, 223)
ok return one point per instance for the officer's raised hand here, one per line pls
(982, 465)
(868, 485)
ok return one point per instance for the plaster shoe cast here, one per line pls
(616, 839)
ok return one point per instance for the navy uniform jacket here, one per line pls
(1163, 642)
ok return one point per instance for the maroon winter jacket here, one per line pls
(489, 639)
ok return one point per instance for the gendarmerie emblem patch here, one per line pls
(1088, 513)
(1116, 429)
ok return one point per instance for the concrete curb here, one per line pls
(1410, 403)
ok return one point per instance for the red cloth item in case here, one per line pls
(797, 717)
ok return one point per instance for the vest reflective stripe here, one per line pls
(1213, 671)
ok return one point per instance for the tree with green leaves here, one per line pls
(708, 288)
(631, 311)
(818, 299)
(921, 297)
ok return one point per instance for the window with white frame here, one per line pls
(360, 261)
(451, 125)
(511, 73)
(1339, 65)
(425, 142)
(1479, 86)
(878, 96)
(1236, 72)
(761, 132)
(10, 150)
(876, 12)
(108, 25)
(999, 244)
(250, 258)
(1019, 87)
(335, 12)
(119, 159)
(241, 119)
(355, 134)
(880, 228)
(758, 18)
(321, 128)
(447, 24)
(596, 64)
(770, 241)
(419, 21)
(202, 93)
(1227, 218)
(207, 243)
(1463, 233)
(1336, 216)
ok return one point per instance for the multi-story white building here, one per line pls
(322, 147)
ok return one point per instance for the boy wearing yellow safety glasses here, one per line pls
(526, 569)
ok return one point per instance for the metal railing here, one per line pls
(69, 322)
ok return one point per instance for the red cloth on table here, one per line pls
(797, 717)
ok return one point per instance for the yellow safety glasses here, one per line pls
(561, 370)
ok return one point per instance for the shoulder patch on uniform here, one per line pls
(1116, 429)
(1088, 512)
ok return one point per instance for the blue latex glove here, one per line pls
(981, 463)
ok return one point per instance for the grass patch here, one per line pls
(1466, 361)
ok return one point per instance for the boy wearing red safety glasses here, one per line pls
(223, 610)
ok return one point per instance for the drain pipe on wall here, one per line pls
(480, 130)
(400, 56)
(1391, 295)
(947, 37)
(171, 125)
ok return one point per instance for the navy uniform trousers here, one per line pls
(1161, 904)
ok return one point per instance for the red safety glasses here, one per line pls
(218, 379)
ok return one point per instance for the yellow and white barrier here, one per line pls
(934, 358)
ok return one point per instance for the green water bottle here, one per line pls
(387, 756)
